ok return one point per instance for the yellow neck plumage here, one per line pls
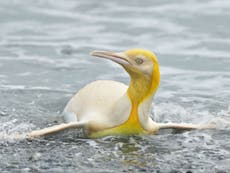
(141, 87)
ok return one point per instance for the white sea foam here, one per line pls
(173, 112)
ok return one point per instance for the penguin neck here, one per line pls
(139, 91)
(140, 88)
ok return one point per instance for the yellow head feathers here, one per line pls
(144, 73)
(143, 68)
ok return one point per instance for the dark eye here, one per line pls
(139, 60)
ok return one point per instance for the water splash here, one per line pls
(172, 112)
(11, 131)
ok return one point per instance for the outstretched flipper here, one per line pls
(185, 126)
(56, 129)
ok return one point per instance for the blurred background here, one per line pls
(44, 60)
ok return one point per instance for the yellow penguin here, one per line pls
(108, 107)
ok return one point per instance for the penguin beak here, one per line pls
(119, 58)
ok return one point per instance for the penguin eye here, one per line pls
(139, 61)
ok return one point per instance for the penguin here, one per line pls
(106, 107)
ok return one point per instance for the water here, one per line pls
(44, 46)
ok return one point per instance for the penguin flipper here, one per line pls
(55, 129)
(185, 126)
